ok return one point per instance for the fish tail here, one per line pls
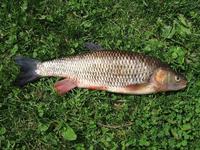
(27, 70)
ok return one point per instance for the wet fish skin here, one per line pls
(111, 68)
(115, 71)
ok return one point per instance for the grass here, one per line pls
(37, 118)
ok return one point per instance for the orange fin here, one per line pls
(136, 87)
(144, 88)
(64, 86)
(103, 88)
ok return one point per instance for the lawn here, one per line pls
(36, 117)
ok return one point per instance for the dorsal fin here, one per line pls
(92, 46)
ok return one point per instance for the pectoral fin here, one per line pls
(144, 88)
(64, 86)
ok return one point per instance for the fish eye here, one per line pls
(177, 78)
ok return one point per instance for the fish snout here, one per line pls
(184, 83)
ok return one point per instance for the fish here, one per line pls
(108, 70)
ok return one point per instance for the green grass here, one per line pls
(37, 118)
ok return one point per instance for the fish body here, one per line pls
(115, 71)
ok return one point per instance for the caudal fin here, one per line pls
(27, 70)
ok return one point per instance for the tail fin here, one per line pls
(27, 70)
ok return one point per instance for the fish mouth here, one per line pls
(178, 86)
(183, 84)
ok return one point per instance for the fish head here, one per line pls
(166, 79)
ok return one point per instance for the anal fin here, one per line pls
(64, 86)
